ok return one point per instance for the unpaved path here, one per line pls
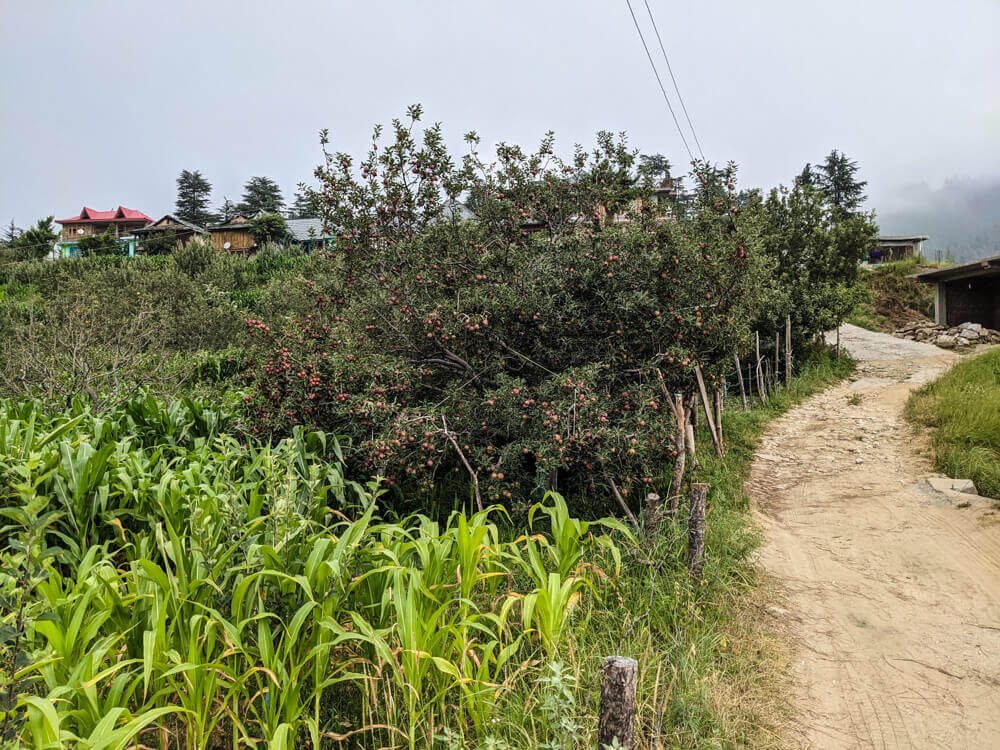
(893, 592)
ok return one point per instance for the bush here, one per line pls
(526, 359)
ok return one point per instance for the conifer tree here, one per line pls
(303, 206)
(193, 195)
(228, 211)
(10, 234)
(261, 194)
(837, 177)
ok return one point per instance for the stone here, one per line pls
(961, 341)
(945, 484)
(972, 326)
(945, 341)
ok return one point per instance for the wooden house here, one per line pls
(122, 222)
(235, 236)
(183, 230)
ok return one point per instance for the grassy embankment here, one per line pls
(893, 297)
(725, 679)
(963, 410)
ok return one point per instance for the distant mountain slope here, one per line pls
(962, 218)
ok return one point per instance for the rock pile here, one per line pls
(948, 338)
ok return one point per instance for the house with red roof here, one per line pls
(121, 222)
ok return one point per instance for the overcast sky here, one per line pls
(104, 102)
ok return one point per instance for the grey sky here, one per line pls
(105, 101)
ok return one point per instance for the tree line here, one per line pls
(260, 195)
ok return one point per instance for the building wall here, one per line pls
(974, 300)
(239, 240)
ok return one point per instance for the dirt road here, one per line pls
(893, 590)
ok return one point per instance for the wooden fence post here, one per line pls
(692, 415)
(680, 438)
(777, 370)
(708, 411)
(696, 529)
(760, 370)
(739, 376)
(617, 712)
(788, 349)
(718, 419)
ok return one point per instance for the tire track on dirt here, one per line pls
(893, 594)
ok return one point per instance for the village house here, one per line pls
(182, 230)
(891, 248)
(969, 293)
(236, 235)
(121, 222)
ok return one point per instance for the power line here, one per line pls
(671, 71)
(656, 73)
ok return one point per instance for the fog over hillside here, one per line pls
(962, 217)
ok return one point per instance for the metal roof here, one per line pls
(903, 238)
(984, 267)
(115, 215)
(154, 226)
(306, 229)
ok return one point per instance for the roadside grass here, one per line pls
(962, 408)
(710, 674)
(863, 316)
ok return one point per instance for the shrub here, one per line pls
(524, 348)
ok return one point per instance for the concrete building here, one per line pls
(897, 247)
(969, 293)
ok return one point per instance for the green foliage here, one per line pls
(104, 243)
(269, 227)
(260, 194)
(165, 573)
(159, 243)
(228, 211)
(526, 345)
(837, 178)
(35, 242)
(963, 409)
(194, 257)
(304, 205)
(817, 250)
(194, 194)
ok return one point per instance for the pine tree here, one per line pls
(193, 195)
(261, 194)
(657, 166)
(837, 178)
(228, 211)
(303, 205)
(807, 177)
(10, 234)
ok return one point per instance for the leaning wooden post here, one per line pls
(708, 410)
(760, 372)
(680, 438)
(718, 418)
(739, 376)
(696, 529)
(788, 348)
(838, 339)
(617, 712)
(777, 370)
(692, 414)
